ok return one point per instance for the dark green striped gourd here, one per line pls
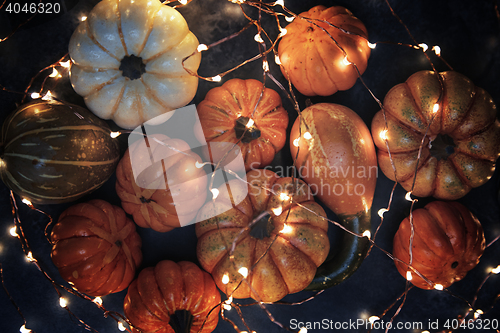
(53, 152)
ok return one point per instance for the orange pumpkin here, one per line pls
(159, 183)
(164, 297)
(455, 120)
(319, 49)
(334, 153)
(246, 113)
(281, 251)
(447, 243)
(96, 248)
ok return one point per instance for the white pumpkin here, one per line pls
(127, 61)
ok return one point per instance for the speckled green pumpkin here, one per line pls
(53, 152)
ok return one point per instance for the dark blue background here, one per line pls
(468, 34)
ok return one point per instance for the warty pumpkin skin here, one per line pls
(161, 293)
(334, 153)
(127, 61)
(165, 193)
(462, 142)
(54, 152)
(225, 113)
(96, 248)
(448, 242)
(312, 59)
(281, 251)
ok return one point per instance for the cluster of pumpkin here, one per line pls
(129, 63)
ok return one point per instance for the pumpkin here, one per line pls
(448, 242)
(243, 112)
(340, 166)
(159, 183)
(96, 248)
(455, 120)
(281, 250)
(320, 49)
(54, 152)
(166, 296)
(127, 61)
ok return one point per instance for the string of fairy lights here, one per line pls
(60, 69)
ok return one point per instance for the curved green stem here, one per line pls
(351, 251)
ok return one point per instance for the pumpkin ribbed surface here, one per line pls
(96, 248)
(55, 152)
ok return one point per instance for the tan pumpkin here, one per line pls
(127, 61)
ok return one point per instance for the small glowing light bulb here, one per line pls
(29, 257)
(258, 38)
(23, 329)
(277, 211)
(478, 313)
(35, 95)
(265, 66)
(438, 286)
(48, 96)
(284, 196)
(121, 327)
(26, 202)
(286, 229)
(243, 271)
(215, 193)
(250, 123)
(202, 47)
(496, 270)
(277, 59)
(303, 330)
(346, 61)
(408, 196)
(83, 18)
(229, 300)
(296, 142)
(436, 50)
(226, 307)
(435, 108)
(114, 134)
(307, 136)
(423, 46)
(383, 134)
(283, 32)
(217, 78)
(289, 18)
(13, 231)
(367, 234)
(409, 277)
(225, 279)
(371, 45)
(54, 73)
(199, 165)
(183, 2)
(97, 300)
(373, 319)
(279, 3)
(381, 212)
(65, 64)
(62, 302)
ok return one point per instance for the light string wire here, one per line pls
(290, 95)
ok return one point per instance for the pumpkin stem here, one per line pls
(181, 321)
(246, 134)
(262, 228)
(132, 67)
(442, 146)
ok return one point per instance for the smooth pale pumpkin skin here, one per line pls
(311, 58)
(341, 143)
(147, 29)
(149, 199)
(291, 261)
(54, 152)
(236, 98)
(160, 291)
(448, 242)
(96, 248)
(466, 113)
